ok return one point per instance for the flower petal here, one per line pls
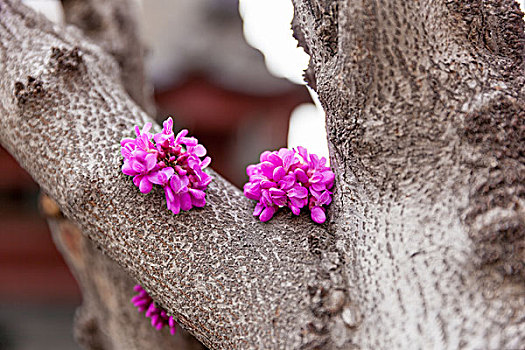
(295, 210)
(197, 194)
(278, 173)
(252, 169)
(328, 178)
(267, 169)
(185, 182)
(205, 180)
(185, 201)
(180, 135)
(279, 201)
(278, 197)
(137, 166)
(314, 160)
(145, 186)
(128, 170)
(177, 184)
(189, 141)
(265, 198)
(301, 175)
(168, 172)
(275, 192)
(137, 179)
(168, 126)
(267, 184)
(288, 160)
(318, 215)
(267, 214)
(316, 178)
(324, 198)
(298, 202)
(169, 194)
(287, 182)
(172, 322)
(205, 162)
(315, 194)
(264, 156)
(303, 153)
(198, 202)
(319, 186)
(258, 209)
(199, 151)
(146, 128)
(126, 140)
(298, 191)
(275, 159)
(174, 205)
(161, 177)
(252, 191)
(151, 161)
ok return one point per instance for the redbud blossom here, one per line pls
(159, 317)
(172, 162)
(290, 178)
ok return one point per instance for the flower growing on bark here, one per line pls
(290, 178)
(172, 162)
(159, 317)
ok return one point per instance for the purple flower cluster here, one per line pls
(159, 317)
(173, 162)
(291, 178)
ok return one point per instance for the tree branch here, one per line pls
(230, 280)
(114, 26)
(106, 318)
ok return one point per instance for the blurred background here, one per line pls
(227, 70)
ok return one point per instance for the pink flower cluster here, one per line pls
(173, 162)
(159, 317)
(291, 178)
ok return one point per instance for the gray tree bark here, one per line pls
(114, 26)
(107, 319)
(424, 243)
(426, 129)
(228, 279)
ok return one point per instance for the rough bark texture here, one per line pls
(114, 26)
(424, 245)
(426, 125)
(230, 280)
(106, 319)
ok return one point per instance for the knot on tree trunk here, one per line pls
(29, 93)
(497, 212)
(65, 59)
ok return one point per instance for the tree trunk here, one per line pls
(424, 243)
(426, 128)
